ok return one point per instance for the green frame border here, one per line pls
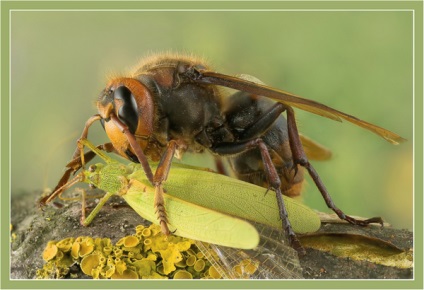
(415, 6)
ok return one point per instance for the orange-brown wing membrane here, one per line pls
(314, 150)
(293, 101)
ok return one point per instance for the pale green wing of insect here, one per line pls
(186, 219)
(234, 197)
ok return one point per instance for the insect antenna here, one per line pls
(60, 190)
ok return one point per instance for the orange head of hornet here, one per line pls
(132, 103)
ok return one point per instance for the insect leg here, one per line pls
(161, 175)
(263, 122)
(299, 157)
(275, 182)
(273, 179)
(135, 146)
(84, 133)
(73, 166)
(93, 151)
(220, 166)
(86, 221)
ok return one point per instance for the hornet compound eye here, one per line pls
(128, 112)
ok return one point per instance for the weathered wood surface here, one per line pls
(33, 228)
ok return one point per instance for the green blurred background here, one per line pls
(359, 62)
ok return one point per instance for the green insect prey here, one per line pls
(200, 204)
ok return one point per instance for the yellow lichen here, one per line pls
(107, 250)
(95, 273)
(155, 230)
(75, 249)
(50, 252)
(65, 245)
(145, 267)
(191, 260)
(146, 232)
(139, 228)
(102, 259)
(200, 255)
(181, 264)
(213, 273)
(170, 257)
(134, 250)
(150, 255)
(199, 265)
(159, 243)
(110, 261)
(127, 274)
(121, 266)
(118, 252)
(108, 271)
(89, 263)
(120, 242)
(182, 274)
(191, 252)
(59, 255)
(86, 247)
